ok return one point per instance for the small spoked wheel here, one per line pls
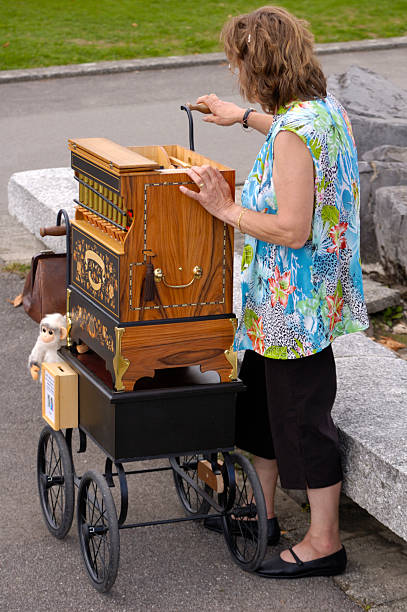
(55, 481)
(98, 530)
(245, 524)
(192, 501)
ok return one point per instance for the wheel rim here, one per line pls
(192, 501)
(242, 522)
(52, 481)
(94, 532)
(245, 525)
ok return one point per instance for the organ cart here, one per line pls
(149, 367)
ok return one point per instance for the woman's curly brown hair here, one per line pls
(274, 53)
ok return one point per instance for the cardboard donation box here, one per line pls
(59, 395)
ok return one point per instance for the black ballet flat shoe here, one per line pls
(214, 523)
(276, 567)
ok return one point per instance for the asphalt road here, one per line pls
(141, 108)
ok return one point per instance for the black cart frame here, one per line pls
(187, 424)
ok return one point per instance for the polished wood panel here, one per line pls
(173, 345)
(103, 237)
(111, 153)
(180, 234)
(155, 152)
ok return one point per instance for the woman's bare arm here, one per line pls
(293, 178)
(228, 113)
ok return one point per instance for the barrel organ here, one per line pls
(151, 272)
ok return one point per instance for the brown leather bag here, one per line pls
(45, 286)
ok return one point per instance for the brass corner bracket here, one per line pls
(68, 318)
(231, 355)
(120, 363)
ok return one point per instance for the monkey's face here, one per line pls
(47, 334)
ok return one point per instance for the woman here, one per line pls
(301, 273)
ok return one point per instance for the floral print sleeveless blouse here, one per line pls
(296, 301)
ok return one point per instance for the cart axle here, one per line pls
(51, 481)
(182, 519)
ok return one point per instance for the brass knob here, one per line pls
(197, 271)
(158, 275)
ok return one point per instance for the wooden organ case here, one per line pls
(151, 272)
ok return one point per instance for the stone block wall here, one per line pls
(390, 220)
(378, 112)
(384, 166)
(376, 107)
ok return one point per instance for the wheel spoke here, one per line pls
(93, 502)
(89, 504)
(191, 499)
(53, 505)
(99, 555)
(101, 515)
(93, 506)
(45, 461)
(55, 498)
(98, 545)
(188, 493)
(59, 499)
(53, 456)
(93, 557)
(240, 492)
(57, 466)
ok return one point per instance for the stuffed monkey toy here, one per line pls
(52, 334)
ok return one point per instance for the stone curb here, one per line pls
(161, 63)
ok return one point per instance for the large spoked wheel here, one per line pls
(98, 530)
(192, 501)
(55, 482)
(245, 525)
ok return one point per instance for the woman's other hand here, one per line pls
(214, 192)
(222, 113)
(227, 113)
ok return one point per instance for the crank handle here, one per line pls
(202, 108)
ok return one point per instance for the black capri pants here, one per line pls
(285, 414)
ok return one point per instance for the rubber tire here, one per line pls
(180, 483)
(58, 530)
(251, 563)
(104, 584)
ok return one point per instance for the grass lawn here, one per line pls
(37, 33)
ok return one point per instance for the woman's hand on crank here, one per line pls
(222, 113)
(214, 192)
